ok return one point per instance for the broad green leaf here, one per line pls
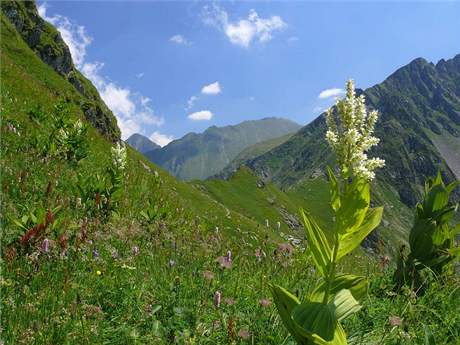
(335, 190)
(318, 244)
(437, 198)
(285, 302)
(420, 239)
(354, 205)
(316, 318)
(357, 285)
(349, 241)
(345, 304)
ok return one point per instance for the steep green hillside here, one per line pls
(252, 152)
(198, 156)
(419, 130)
(142, 143)
(47, 43)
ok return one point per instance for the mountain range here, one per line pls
(419, 128)
(200, 155)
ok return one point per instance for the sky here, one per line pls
(169, 68)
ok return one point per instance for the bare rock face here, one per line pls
(291, 220)
(48, 44)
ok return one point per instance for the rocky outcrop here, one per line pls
(47, 43)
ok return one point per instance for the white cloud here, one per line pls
(211, 89)
(191, 101)
(132, 110)
(244, 31)
(201, 115)
(139, 75)
(334, 92)
(161, 139)
(179, 39)
(292, 39)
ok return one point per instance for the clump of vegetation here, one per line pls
(317, 319)
(432, 237)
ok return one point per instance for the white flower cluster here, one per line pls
(78, 127)
(351, 137)
(119, 157)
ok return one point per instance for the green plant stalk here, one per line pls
(331, 273)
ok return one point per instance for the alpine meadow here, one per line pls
(230, 173)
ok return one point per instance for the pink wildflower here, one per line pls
(395, 321)
(264, 302)
(244, 334)
(217, 299)
(46, 245)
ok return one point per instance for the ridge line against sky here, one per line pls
(174, 68)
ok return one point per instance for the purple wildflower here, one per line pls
(46, 245)
(95, 253)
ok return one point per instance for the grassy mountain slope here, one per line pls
(198, 156)
(48, 44)
(252, 152)
(142, 143)
(420, 111)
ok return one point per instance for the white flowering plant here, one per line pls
(117, 171)
(337, 295)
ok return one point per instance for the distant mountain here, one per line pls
(251, 152)
(142, 143)
(419, 130)
(198, 156)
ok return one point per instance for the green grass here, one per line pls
(160, 295)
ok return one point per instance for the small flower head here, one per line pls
(95, 254)
(208, 275)
(351, 135)
(98, 272)
(264, 302)
(135, 250)
(46, 245)
(217, 299)
(244, 334)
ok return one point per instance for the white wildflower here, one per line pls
(351, 136)
(119, 156)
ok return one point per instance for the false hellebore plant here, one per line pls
(317, 320)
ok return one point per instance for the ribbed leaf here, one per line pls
(318, 244)
(354, 204)
(316, 318)
(345, 304)
(357, 286)
(285, 302)
(350, 241)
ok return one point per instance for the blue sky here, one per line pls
(169, 68)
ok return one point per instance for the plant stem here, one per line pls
(331, 273)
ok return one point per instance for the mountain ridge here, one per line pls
(200, 155)
(141, 143)
(419, 103)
